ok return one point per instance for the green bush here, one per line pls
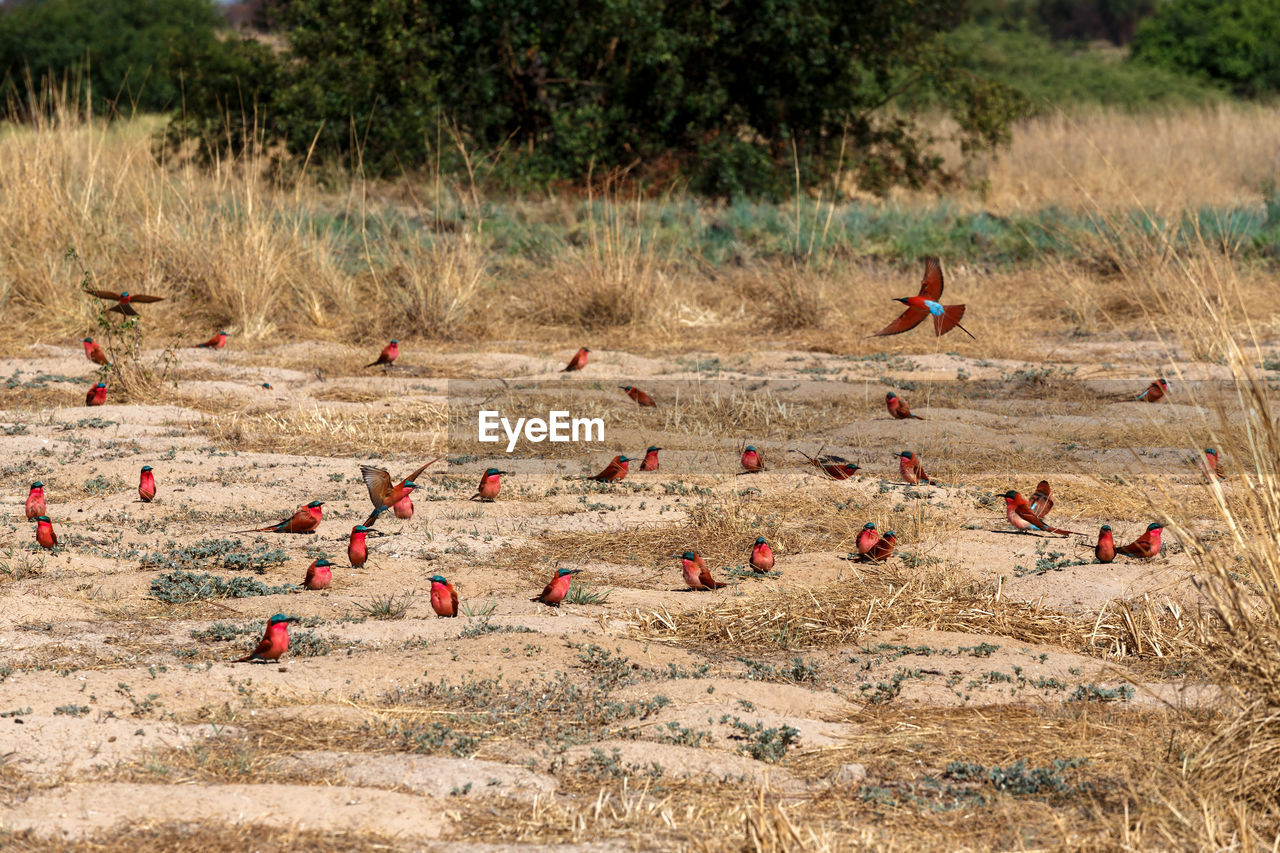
(1234, 42)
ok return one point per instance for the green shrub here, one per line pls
(1232, 42)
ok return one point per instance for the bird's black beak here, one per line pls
(901, 299)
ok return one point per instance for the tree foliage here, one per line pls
(1233, 42)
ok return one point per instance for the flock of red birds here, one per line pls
(387, 496)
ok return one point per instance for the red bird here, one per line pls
(403, 508)
(1105, 550)
(96, 396)
(883, 549)
(146, 484)
(639, 396)
(382, 494)
(45, 536)
(388, 355)
(357, 547)
(1155, 392)
(218, 341)
(578, 361)
(124, 301)
(1145, 546)
(1209, 465)
(911, 469)
(898, 407)
(761, 556)
(35, 501)
(444, 600)
(614, 471)
(490, 485)
(868, 536)
(305, 520)
(835, 467)
(752, 460)
(1019, 513)
(554, 592)
(696, 573)
(650, 462)
(274, 642)
(1042, 499)
(94, 352)
(318, 575)
(945, 317)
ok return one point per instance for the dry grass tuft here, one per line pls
(329, 432)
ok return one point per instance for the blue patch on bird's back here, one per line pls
(935, 308)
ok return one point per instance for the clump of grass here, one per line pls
(388, 606)
(181, 587)
(582, 593)
(224, 553)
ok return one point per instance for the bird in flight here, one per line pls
(925, 304)
(124, 301)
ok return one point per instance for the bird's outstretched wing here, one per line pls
(413, 478)
(909, 320)
(950, 319)
(379, 483)
(1042, 499)
(105, 294)
(931, 287)
(142, 297)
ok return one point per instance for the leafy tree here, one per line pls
(123, 49)
(1233, 42)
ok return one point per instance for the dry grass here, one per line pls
(329, 432)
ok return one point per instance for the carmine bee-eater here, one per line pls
(97, 395)
(1145, 546)
(578, 361)
(554, 592)
(695, 571)
(1042, 499)
(444, 600)
(305, 520)
(318, 574)
(94, 352)
(35, 501)
(218, 341)
(1155, 392)
(1209, 465)
(898, 407)
(911, 469)
(274, 642)
(868, 536)
(382, 494)
(388, 355)
(1019, 513)
(490, 485)
(761, 556)
(403, 508)
(357, 547)
(614, 471)
(835, 467)
(641, 398)
(752, 460)
(1105, 550)
(945, 317)
(883, 549)
(147, 484)
(650, 462)
(45, 536)
(125, 301)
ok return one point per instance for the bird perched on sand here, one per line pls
(382, 493)
(1209, 465)
(868, 536)
(218, 341)
(695, 571)
(883, 549)
(761, 556)
(146, 484)
(35, 501)
(1105, 550)
(924, 304)
(911, 469)
(1042, 499)
(97, 395)
(444, 600)
(835, 467)
(94, 351)
(305, 520)
(554, 592)
(1145, 546)
(614, 471)
(1154, 393)
(125, 301)
(45, 537)
(1019, 513)
(490, 485)
(388, 355)
(358, 547)
(403, 508)
(898, 407)
(578, 361)
(752, 460)
(641, 398)
(274, 642)
(650, 462)
(318, 574)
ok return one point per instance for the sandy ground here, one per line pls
(118, 707)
